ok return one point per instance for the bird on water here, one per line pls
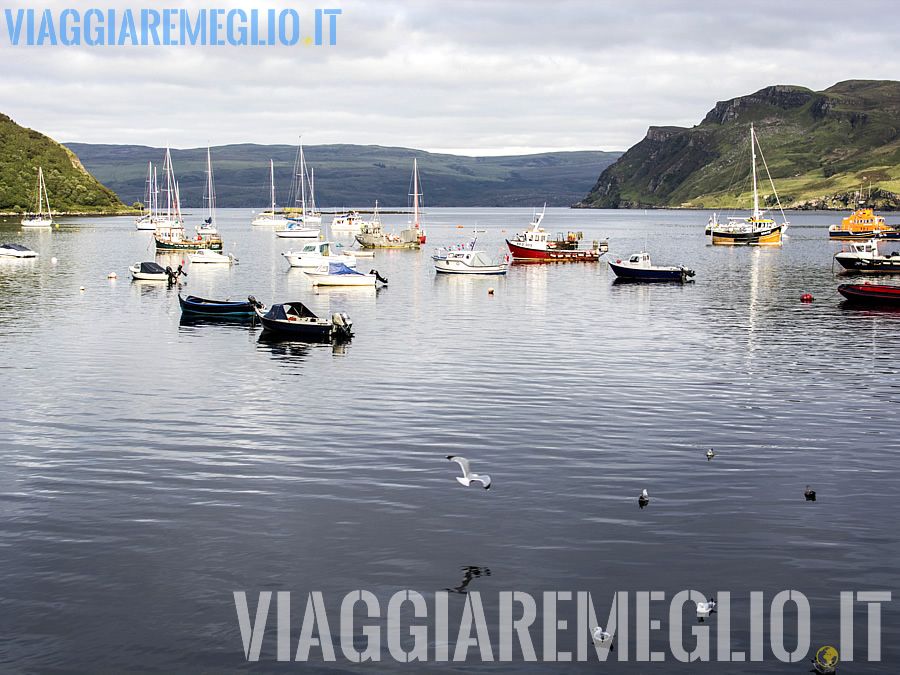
(644, 499)
(810, 494)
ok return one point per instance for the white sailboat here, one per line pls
(146, 221)
(297, 226)
(209, 224)
(42, 220)
(269, 217)
(415, 229)
(314, 215)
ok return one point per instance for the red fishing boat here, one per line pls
(536, 245)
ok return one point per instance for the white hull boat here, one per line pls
(293, 230)
(466, 261)
(42, 220)
(269, 217)
(205, 255)
(318, 253)
(16, 251)
(339, 274)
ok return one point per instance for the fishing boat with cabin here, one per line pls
(537, 245)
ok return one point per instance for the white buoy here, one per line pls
(81, 289)
(53, 260)
(111, 275)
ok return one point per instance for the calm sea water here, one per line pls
(150, 468)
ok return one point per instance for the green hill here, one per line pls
(820, 147)
(71, 188)
(352, 175)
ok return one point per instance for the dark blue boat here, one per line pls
(296, 320)
(638, 268)
(217, 308)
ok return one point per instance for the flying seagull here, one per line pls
(705, 609)
(468, 477)
(810, 494)
(710, 454)
(602, 638)
(644, 499)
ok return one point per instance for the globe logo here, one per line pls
(827, 657)
(306, 41)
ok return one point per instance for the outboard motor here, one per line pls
(378, 276)
(342, 324)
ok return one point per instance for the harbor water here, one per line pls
(152, 468)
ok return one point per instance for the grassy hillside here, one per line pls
(70, 187)
(352, 175)
(820, 148)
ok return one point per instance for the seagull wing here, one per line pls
(463, 463)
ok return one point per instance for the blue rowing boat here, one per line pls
(216, 308)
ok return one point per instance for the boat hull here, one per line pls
(626, 272)
(526, 254)
(341, 279)
(215, 308)
(770, 236)
(881, 265)
(187, 244)
(457, 267)
(866, 234)
(307, 327)
(871, 294)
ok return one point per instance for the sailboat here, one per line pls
(209, 224)
(169, 233)
(755, 230)
(42, 220)
(296, 227)
(146, 220)
(314, 215)
(269, 217)
(415, 228)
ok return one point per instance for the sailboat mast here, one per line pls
(416, 192)
(302, 181)
(272, 182)
(211, 213)
(755, 191)
(44, 189)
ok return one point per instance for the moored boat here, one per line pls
(639, 268)
(757, 229)
(205, 255)
(169, 233)
(863, 256)
(151, 271)
(536, 245)
(871, 294)
(318, 253)
(347, 222)
(41, 220)
(371, 235)
(16, 251)
(339, 274)
(466, 260)
(863, 224)
(296, 320)
(270, 216)
(216, 308)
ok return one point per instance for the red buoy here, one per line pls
(806, 297)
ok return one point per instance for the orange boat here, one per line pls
(863, 224)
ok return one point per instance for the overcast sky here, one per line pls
(464, 76)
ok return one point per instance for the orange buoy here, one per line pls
(490, 291)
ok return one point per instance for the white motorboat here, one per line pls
(16, 251)
(339, 274)
(205, 255)
(318, 253)
(466, 260)
(42, 220)
(347, 222)
(270, 217)
(151, 271)
(296, 230)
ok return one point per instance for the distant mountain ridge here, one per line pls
(821, 148)
(352, 175)
(69, 185)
